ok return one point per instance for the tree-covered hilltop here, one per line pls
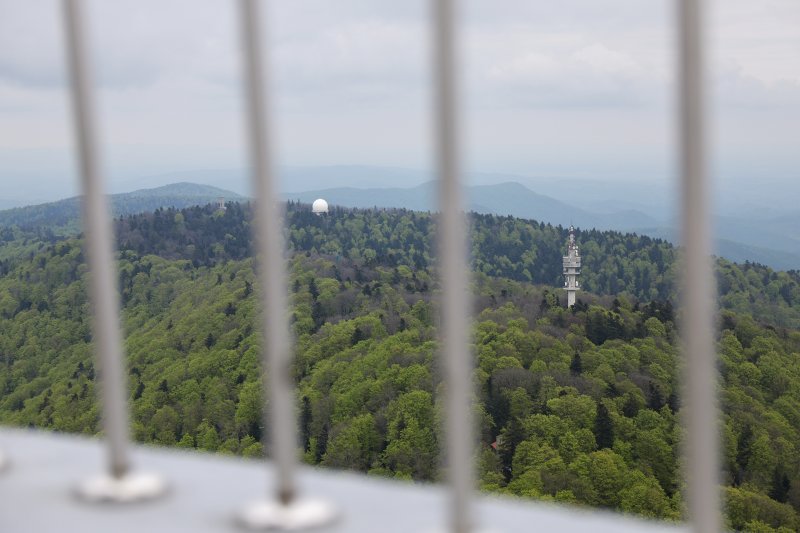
(577, 405)
(63, 217)
(614, 263)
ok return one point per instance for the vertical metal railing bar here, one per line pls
(452, 246)
(700, 380)
(272, 276)
(99, 247)
(286, 510)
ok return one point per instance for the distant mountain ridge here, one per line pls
(183, 189)
(508, 198)
(65, 214)
(737, 251)
(770, 241)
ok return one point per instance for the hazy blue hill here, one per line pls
(755, 220)
(786, 226)
(515, 199)
(508, 198)
(65, 214)
(292, 179)
(653, 197)
(761, 234)
(419, 198)
(8, 204)
(181, 190)
(738, 252)
(728, 246)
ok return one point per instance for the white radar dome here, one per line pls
(319, 206)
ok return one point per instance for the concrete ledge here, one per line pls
(206, 491)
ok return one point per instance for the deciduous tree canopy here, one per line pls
(575, 405)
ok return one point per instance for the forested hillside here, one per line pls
(614, 263)
(575, 405)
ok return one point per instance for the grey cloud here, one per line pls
(737, 89)
(30, 52)
(169, 73)
(134, 43)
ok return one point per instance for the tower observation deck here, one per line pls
(572, 268)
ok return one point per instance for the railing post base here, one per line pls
(450, 530)
(299, 515)
(129, 488)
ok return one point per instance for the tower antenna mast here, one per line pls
(572, 268)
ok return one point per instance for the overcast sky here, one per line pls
(575, 88)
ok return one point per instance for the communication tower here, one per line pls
(572, 268)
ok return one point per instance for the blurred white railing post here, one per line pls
(286, 510)
(119, 484)
(453, 269)
(698, 284)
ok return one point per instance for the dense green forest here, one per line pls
(637, 267)
(577, 405)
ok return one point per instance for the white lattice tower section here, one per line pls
(572, 268)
